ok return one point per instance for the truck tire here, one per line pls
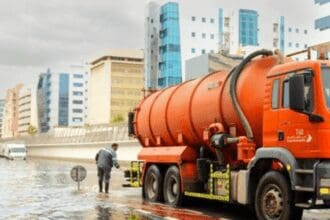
(153, 184)
(172, 187)
(274, 200)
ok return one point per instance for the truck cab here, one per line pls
(297, 109)
(297, 123)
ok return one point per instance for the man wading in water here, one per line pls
(106, 158)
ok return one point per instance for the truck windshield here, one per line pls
(326, 84)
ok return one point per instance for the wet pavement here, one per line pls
(43, 189)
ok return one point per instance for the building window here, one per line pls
(203, 35)
(297, 30)
(77, 110)
(305, 45)
(203, 20)
(248, 27)
(275, 27)
(275, 42)
(212, 20)
(193, 18)
(211, 51)
(151, 20)
(227, 22)
(77, 119)
(79, 102)
(290, 44)
(322, 23)
(305, 31)
(193, 34)
(290, 29)
(193, 50)
(212, 36)
(297, 45)
(78, 76)
(78, 93)
(78, 85)
(203, 51)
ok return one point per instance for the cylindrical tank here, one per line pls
(179, 115)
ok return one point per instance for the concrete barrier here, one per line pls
(127, 150)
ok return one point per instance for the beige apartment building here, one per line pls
(27, 111)
(10, 113)
(115, 87)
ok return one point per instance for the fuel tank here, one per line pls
(180, 114)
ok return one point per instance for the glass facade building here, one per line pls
(248, 27)
(169, 49)
(43, 101)
(321, 2)
(63, 100)
(177, 32)
(323, 22)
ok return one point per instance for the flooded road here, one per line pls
(43, 189)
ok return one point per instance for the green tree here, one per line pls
(32, 130)
(117, 118)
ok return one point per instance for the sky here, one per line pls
(37, 34)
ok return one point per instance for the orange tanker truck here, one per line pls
(258, 136)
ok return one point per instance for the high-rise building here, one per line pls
(151, 55)
(322, 21)
(10, 113)
(62, 98)
(2, 106)
(180, 30)
(27, 111)
(115, 86)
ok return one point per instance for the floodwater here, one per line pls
(43, 189)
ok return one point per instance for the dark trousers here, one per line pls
(103, 174)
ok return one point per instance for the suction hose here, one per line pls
(235, 75)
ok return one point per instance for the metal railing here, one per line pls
(83, 135)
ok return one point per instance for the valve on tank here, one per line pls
(219, 141)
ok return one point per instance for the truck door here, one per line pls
(270, 119)
(295, 131)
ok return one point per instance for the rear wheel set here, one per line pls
(157, 188)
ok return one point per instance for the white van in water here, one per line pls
(14, 151)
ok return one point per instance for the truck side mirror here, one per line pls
(296, 92)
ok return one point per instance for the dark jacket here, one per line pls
(106, 158)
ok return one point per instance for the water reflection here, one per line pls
(41, 189)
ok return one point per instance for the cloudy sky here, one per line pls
(36, 34)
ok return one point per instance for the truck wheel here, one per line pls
(273, 199)
(172, 187)
(152, 186)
